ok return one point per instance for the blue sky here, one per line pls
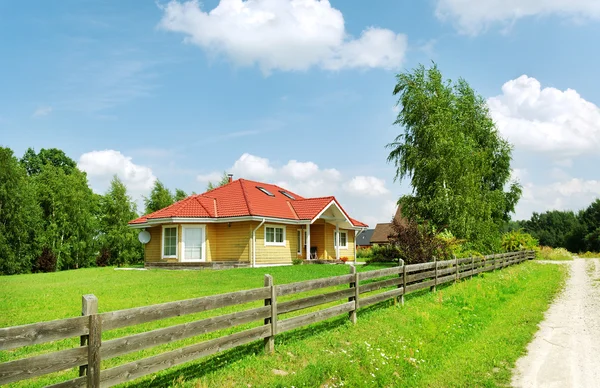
(296, 92)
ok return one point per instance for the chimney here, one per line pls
(230, 177)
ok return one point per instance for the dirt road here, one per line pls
(566, 350)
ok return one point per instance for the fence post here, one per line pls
(403, 284)
(494, 262)
(472, 266)
(455, 269)
(89, 306)
(354, 298)
(434, 287)
(272, 301)
(401, 297)
(94, 344)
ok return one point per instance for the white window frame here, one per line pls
(203, 227)
(299, 235)
(335, 241)
(162, 242)
(275, 244)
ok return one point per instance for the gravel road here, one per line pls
(566, 350)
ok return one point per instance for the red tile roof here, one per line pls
(242, 198)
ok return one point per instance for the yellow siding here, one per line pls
(152, 249)
(231, 242)
(330, 247)
(276, 254)
(317, 238)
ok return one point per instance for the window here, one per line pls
(169, 242)
(343, 240)
(274, 235)
(299, 249)
(193, 243)
(290, 196)
(265, 191)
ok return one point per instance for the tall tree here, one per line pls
(457, 163)
(180, 194)
(33, 162)
(19, 216)
(117, 209)
(552, 228)
(590, 219)
(224, 180)
(160, 197)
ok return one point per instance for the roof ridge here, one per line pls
(203, 207)
(245, 196)
(293, 210)
(307, 199)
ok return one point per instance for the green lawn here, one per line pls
(465, 334)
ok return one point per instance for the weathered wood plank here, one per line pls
(379, 273)
(446, 279)
(315, 300)
(145, 366)
(353, 298)
(294, 288)
(269, 342)
(380, 284)
(445, 263)
(464, 261)
(135, 316)
(94, 343)
(89, 306)
(419, 286)
(420, 276)
(445, 271)
(39, 333)
(317, 316)
(78, 382)
(420, 267)
(133, 343)
(381, 297)
(27, 368)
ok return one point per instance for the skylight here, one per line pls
(265, 191)
(290, 196)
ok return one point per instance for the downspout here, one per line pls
(254, 243)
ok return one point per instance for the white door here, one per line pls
(193, 241)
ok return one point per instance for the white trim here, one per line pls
(208, 220)
(274, 244)
(299, 232)
(162, 242)
(273, 265)
(326, 208)
(183, 228)
(335, 241)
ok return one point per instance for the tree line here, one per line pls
(51, 220)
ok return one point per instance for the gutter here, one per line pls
(254, 242)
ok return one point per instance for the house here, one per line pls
(247, 223)
(383, 232)
(363, 240)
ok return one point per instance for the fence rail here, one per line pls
(89, 327)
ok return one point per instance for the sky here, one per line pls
(296, 92)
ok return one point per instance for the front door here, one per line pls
(193, 243)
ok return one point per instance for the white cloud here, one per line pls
(283, 35)
(101, 166)
(546, 120)
(474, 16)
(42, 111)
(210, 177)
(368, 186)
(252, 167)
(567, 194)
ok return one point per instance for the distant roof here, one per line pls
(382, 233)
(243, 197)
(364, 238)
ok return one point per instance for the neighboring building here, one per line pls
(249, 223)
(363, 239)
(383, 232)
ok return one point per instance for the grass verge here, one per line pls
(556, 254)
(470, 333)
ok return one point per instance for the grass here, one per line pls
(589, 255)
(556, 254)
(470, 333)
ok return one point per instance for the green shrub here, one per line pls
(589, 255)
(384, 254)
(364, 253)
(518, 241)
(297, 261)
(547, 253)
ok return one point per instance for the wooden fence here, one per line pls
(89, 326)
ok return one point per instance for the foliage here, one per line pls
(160, 197)
(552, 228)
(103, 258)
(518, 241)
(117, 209)
(46, 262)
(344, 259)
(589, 255)
(180, 194)
(19, 217)
(457, 163)
(33, 162)
(497, 315)
(297, 261)
(548, 253)
(418, 243)
(224, 180)
(387, 253)
(364, 253)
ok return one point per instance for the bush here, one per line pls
(103, 257)
(364, 253)
(519, 241)
(384, 254)
(46, 262)
(297, 261)
(344, 259)
(547, 253)
(419, 243)
(589, 255)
